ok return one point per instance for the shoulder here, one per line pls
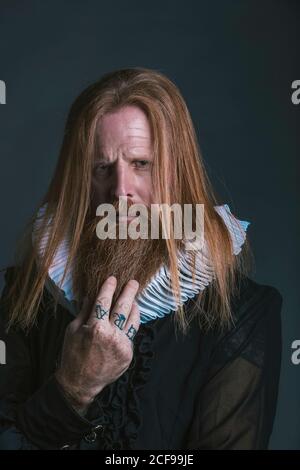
(8, 273)
(11, 276)
(256, 324)
(7, 276)
(253, 298)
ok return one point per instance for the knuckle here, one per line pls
(123, 306)
(96, 330)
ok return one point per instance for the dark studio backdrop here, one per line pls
(234, 62)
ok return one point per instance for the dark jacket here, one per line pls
(199, 391)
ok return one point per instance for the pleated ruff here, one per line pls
(156, 300)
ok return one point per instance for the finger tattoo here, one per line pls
(131, 332)
(100, 312)
(120, 320)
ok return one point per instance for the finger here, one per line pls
(102, 305)
(123, 306)
(81, 317)
(133, 323)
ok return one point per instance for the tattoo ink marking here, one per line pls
(131, 332)
(119, 322)
(100, 312)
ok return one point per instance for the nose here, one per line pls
(122, 184)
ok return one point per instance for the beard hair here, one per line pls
(126, 259)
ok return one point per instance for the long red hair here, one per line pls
(176, 154)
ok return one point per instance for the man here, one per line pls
(135, 343)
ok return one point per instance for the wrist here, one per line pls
(79, 401)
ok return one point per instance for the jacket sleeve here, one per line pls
(31, 417)
(237, 403)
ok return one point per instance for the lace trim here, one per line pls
(118, 404)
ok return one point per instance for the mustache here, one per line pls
(123, 205)
(113, 212)
(126, 259)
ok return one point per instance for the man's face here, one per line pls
(122, 168)
(123, 165)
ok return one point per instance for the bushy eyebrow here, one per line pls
(145, 154)
(130, 158)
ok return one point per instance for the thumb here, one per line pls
(83, 313)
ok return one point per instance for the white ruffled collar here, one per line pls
(156, 300)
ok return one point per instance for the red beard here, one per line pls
(125, 259)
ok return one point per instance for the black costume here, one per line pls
(200, 391)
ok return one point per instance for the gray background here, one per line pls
(234, 62)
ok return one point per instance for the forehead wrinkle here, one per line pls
(136, 127)
(139, 138)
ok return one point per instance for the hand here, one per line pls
(98, 345)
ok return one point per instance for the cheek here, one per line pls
(145, 191)
(99, 191)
